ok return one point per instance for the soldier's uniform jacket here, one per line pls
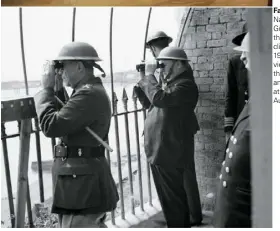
(237, 91)
(233, 201)
(171, 122)
(82, 184)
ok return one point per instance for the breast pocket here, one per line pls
(77, 188)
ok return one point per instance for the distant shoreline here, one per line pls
(119, 77)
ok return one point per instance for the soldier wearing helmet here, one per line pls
(83, 187)
(155, 43)
(237, 90)
(169, 132)
(234, 196)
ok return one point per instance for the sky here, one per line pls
(47, 29)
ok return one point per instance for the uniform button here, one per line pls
(223, 163)
(79, 152)
(231, 138)
(246, 93)
(74, 176)
(221, 176)
(224, 184)
(246, 101)
(230, 155)
(227, 169)
(227, 151)
(234, 141)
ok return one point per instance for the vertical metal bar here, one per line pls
(148, 171)
(134, 97)
(22, 184)
(39, 160)
(125, 99)
(112, 91)
(147, 30)
(115, 101)
(53, 144)
(144, 111)
(187, 19)
(8, 175)
(109, 162)
(29, 208)
(73, 24)
(111, 57)
(28, 199)
(22, 51)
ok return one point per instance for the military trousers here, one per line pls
(178, 195)
(82, 220)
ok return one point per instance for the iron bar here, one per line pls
(187, 19)
(146, 33)
(134, 97)
(130, 177)
(115, 101)
(22, 52)
(73, 24)
(148, 171)
(29, 207)
(109, 163)
(8, 176)
(144, 111)
(39, 158)
(111, 57)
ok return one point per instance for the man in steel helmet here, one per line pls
(169, 137)
(155, 43)
(234, 197)
(237, 90)
(83, 187)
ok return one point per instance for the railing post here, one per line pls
(39, 160)
(125, 99)
(73, 24)
(115, 101)
(134, 97)
(8, 175)
(23, 172)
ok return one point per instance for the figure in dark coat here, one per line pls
(237, 87)
(83, 187)
(169, 131)
(234, 197)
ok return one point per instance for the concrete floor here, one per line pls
(158, 221)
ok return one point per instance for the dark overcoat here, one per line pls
(233, 201)
(171, 122)
(82, 184)
(237, 91)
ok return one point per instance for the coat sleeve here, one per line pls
(75, 115)
(142, 97)
(231, 98)
(185, 92)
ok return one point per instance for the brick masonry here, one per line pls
(207, 42)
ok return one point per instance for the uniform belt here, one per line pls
(80, 152)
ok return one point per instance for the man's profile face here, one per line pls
(69, 74)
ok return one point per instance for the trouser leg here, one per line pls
(172, 196)
(192, 192)
(83, 220)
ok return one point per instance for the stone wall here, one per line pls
(207, 42)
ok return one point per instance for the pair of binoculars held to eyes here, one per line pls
(141, 66)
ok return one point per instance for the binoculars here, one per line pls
(58, 65)
(141, 66)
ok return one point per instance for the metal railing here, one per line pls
(36, 130)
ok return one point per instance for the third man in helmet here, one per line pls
(169, 132)
(155, 43)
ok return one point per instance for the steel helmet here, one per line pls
(172, 53)
(238, 39)
(158, 35)
(245, 45)
(78, 51)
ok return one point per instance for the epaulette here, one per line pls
(86, 86)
